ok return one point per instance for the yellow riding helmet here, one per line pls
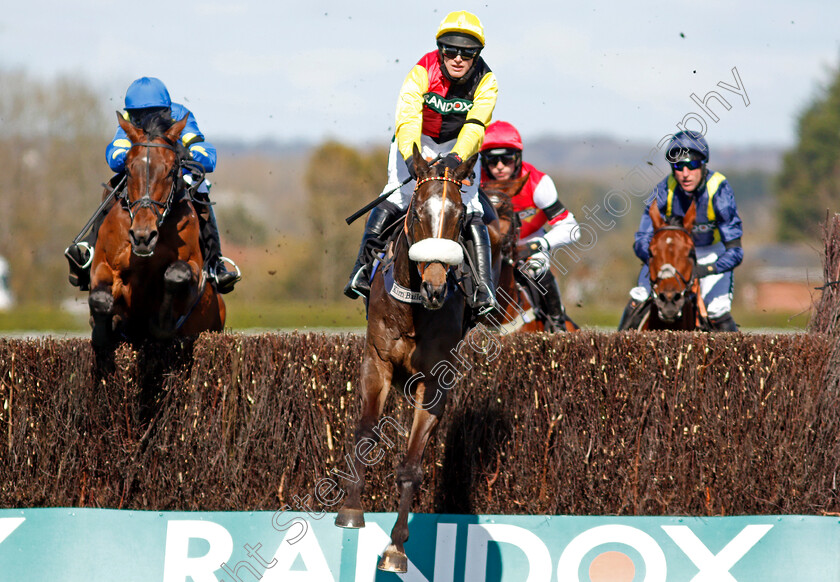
(459, 23)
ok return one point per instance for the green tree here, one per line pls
(810, 179)
(339, 180)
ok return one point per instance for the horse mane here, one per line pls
(504, 210)
(155, 124)
(500, 195)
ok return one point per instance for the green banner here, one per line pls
(92, 545)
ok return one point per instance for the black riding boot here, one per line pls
(378, 220)
(212, 250)
(632, 316)
(551, 304)
(485, 296)
(723, 323)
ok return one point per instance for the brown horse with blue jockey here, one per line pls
(147, 275)
(676, 302)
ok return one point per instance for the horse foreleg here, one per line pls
(101, 304)
(409, 479)
(176, 283)
(375, 383)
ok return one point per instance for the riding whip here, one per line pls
(381, 198)
(102, 206)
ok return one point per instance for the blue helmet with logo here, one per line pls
(687, 145)
(147, 92)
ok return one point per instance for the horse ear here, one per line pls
(174, 132)
(690, 216)
(134, 133)
(466, 167)
(421, 166)
(656, 216)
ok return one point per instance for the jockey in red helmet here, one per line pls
(147, 101)
(445, 103)
(546, 223)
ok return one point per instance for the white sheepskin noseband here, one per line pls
(431, 250)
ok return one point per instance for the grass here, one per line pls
(295, 315)
(605, 317)
(345, 315)
(43, 318)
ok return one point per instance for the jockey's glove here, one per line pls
(532, 246)
(451, 160)
(536, 265)
(701, 271)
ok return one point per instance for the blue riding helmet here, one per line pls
(147, 92)
(687, 144)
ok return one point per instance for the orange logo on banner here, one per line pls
(612, 567)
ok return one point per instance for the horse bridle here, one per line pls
(411, 211)
(687, 282)
(161, 209)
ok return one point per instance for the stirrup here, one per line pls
(481, 312)
(493, 304)
(225, 285)
(74, 259)
(352, 285)
(232, 264)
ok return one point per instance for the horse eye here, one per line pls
(662, 297)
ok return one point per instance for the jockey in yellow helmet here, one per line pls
(444, 106)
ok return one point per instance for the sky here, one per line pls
(253, 70)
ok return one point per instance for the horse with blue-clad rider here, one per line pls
(716, 231)
(147, 105)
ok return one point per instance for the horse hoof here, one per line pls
(177, 276)
(393, 560)
(100, 303)
(350, 518)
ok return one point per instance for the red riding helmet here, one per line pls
(501, 135)
(500, 139)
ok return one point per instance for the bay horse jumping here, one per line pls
(147, 273)
(676, 302)
(409, 339)
(518, 310)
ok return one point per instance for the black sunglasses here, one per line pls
(491, 161)
(450, 52)
(691, 165)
